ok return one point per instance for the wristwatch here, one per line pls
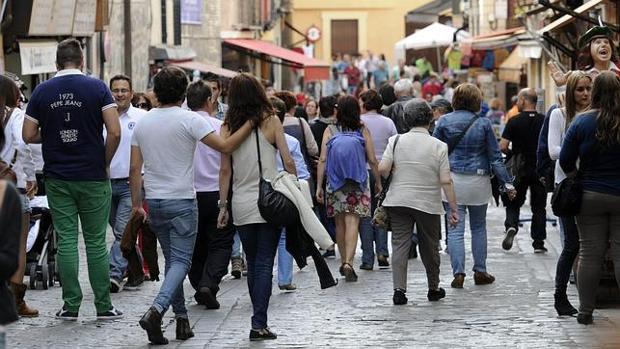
(221, 204)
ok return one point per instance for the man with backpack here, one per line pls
(403, 89)
(522, 131)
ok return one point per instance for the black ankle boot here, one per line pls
(562, 305)
(151, 323)
(184, 330)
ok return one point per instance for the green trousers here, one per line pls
(90, 200)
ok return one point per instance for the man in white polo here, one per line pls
(120, 211)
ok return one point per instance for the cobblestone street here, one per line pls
(515, 312)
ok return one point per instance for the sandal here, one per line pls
(348, 272)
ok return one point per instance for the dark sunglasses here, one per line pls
(142, 106)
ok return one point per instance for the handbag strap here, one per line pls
(456, 140)
(388, 180)
(260, 164)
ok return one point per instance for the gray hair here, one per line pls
(417, 113)
(403, 87)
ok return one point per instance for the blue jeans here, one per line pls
(285, 262)
(456, 241)
(120, 213)
(370, 234)
(175, 223)
(570, 251)
(236, 247)
(260, 242)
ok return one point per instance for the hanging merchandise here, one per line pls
(454, 59)
(501, 54)
(488, 62)
(476, 59)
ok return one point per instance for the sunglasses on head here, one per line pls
(142, 106)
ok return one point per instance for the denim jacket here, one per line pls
(478, 151)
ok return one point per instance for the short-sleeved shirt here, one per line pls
(523, 131)
(119, 166)
(167, 138)
(419, 161)
(207, 161)
(381, 129)
(69, 110)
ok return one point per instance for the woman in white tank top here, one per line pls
(247, 101)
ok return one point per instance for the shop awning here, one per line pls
(206, 68)
(564, 20)
(171, 53)
(314, 69)
(498, 39)
(510, 69)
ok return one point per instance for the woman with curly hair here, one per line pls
(346, 151)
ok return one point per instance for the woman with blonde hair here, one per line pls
(577, 101)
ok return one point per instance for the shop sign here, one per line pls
(191, 11)
(38, 57)
(313, 34)
(85, 18)
(52, 17)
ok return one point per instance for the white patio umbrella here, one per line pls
(435, 35)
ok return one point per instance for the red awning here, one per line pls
(205, 68)
(314, 69)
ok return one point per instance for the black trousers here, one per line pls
(213, 246)
(538, 203)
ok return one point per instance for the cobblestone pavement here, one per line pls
(515, 312)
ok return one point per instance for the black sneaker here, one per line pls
(585, 319)
(115, 286)
(539, 246)
(435, 295)
(111, 314)
(509, 238)
(329, 254)
(134, 284)
(383, 261)
(64, 314)
(206, 297)
(399, 297)
(365, 266)
(261, 335)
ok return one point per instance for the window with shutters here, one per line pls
(344, 36)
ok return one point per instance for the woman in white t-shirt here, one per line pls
(247, 101)
(16, 154)
(577, 100)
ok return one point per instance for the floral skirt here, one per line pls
(349, 199)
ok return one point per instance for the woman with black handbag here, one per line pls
(594, 138)
(577, 100)
(247, 101)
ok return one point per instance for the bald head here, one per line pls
(527, 99)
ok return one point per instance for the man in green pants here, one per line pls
(67, 114)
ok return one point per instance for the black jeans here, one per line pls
(213, 246)
(538, 203)
(568, 255)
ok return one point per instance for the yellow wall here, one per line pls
(380, 23)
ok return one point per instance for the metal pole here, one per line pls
(127, 35)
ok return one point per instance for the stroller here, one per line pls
(41, 257)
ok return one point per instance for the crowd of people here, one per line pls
(178, 164)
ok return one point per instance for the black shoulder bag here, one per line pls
(273, 206)
(567, 196)
(380, 217)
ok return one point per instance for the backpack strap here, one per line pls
(260, 164)
(456, 140)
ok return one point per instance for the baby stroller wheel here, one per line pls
(33, 276)
(45, 276)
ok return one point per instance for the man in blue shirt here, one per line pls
(67, 114)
